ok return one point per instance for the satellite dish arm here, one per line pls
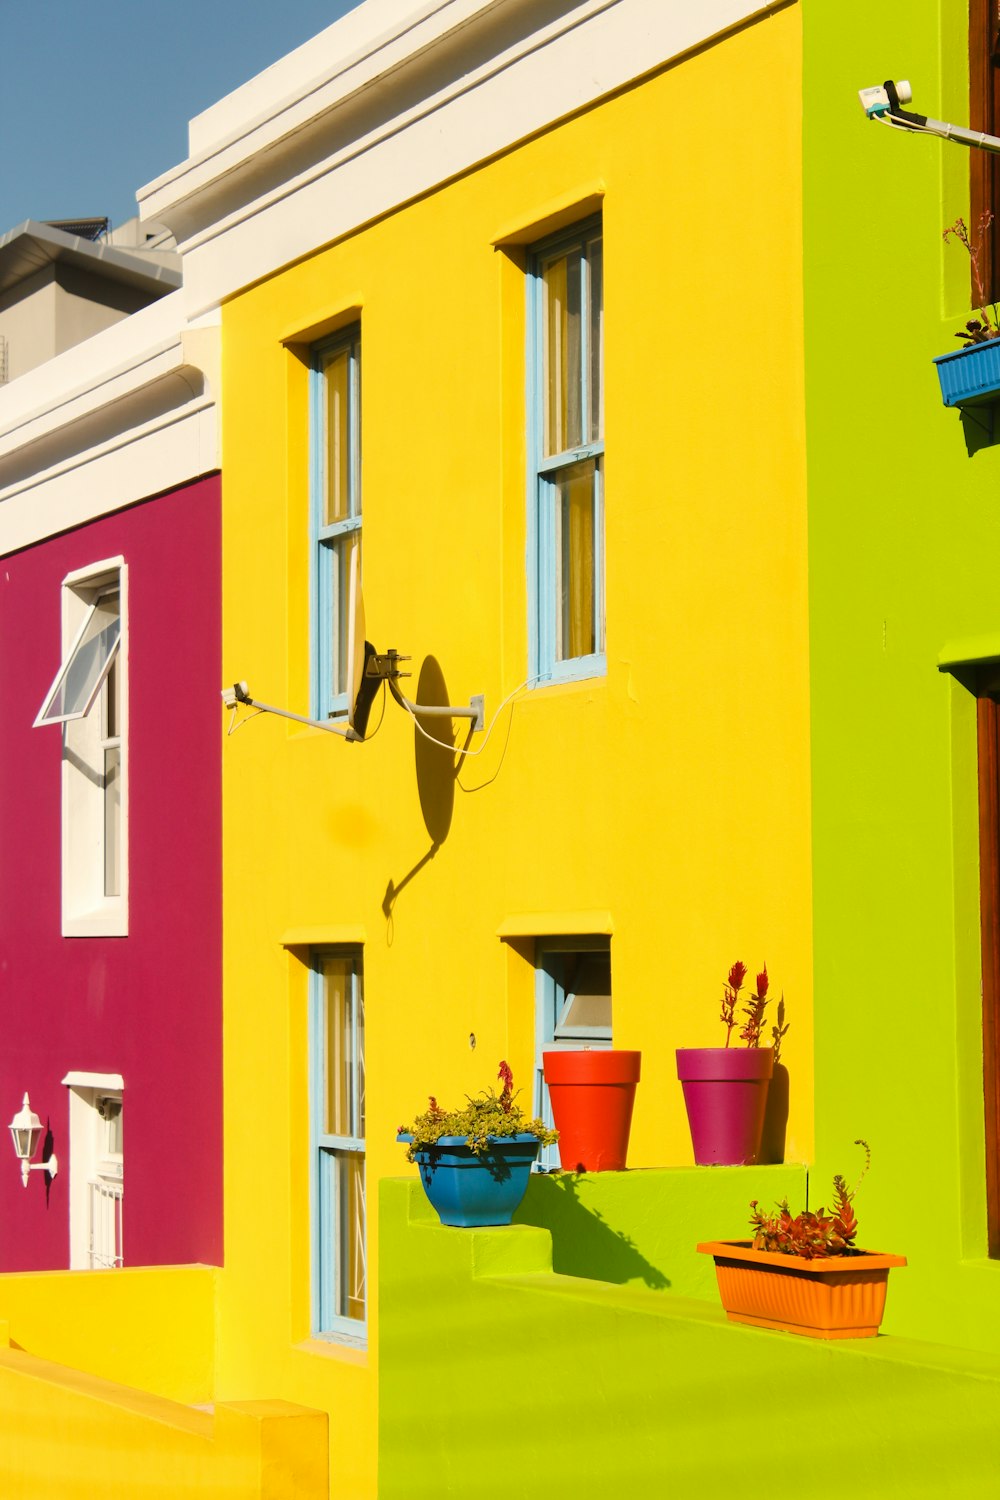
(476, 710)
(238, 693)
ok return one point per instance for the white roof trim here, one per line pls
(94, 1081)
(381, 113)
(128, 413)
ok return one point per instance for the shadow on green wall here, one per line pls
(980, 427)
(583, 1243)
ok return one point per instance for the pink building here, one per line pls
(110, 824)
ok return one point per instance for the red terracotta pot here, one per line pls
(592, 1094)
(725, 1092)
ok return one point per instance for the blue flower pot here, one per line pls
(970, 375)
(469, 1191)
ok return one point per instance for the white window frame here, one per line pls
(90, 1164)
(87, 910)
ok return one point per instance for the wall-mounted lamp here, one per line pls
(26, 1131)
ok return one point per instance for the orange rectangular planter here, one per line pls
(839, 1298)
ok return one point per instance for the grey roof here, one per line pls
(31, 246)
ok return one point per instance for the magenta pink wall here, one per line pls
(148, 1005)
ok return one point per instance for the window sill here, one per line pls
(578, 669)
(348, 1347)
(112, 922)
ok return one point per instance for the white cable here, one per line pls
(457, 749)
(233, 726)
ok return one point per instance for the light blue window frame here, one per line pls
(548, 663)
(332, 1216)
(552, 1003)
(330, 543)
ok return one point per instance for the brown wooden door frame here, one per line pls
(988, 719)
(984, 114)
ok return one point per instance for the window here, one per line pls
(336, 510)
(337, 1111)
(572, 1007)
(566, 447)
(88, 701)
(97, 1173)
(984, 114)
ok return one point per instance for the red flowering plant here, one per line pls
(811, 1236)
(751, 1019)
(486, 1116)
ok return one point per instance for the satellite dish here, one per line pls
(362, 686)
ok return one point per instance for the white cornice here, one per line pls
(126, 414)
(390, 102)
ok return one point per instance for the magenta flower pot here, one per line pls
(725, 1093)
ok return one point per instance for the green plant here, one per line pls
(985, 325)
(811, 1236)
(753, 1011)
(487, 1115)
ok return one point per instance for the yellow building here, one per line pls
(511, 311)
(534, 348)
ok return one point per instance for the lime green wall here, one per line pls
(498, 1376)
(904, 531)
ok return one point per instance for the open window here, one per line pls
(88, 701)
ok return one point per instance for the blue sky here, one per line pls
(95, 95)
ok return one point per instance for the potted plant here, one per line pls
(474, 1162)
(804, 1274)
(972, 374)
(725, 1088)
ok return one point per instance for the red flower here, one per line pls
(762, 983)
(737, 974)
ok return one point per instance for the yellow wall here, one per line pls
(672, 794)
(152, 1327)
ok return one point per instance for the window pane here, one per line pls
(577, 629)
(79, 679)
(337, 386)
(359, 1055)
(337, 557)
(112, 820)
(337, 978)
(110, 1110)
(587, 997)
(561, 375)
(352, 1271)
(112, 702)
(595, 257)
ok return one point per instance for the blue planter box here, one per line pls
(970, 376)
(470, 1191)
